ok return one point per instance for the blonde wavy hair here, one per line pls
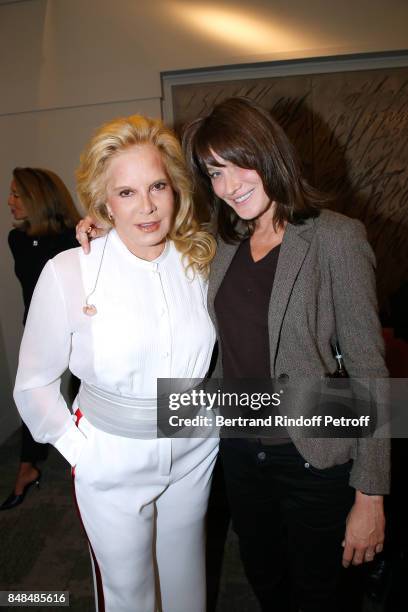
(196, 244)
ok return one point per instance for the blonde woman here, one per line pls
(44, 218)
(140, 314)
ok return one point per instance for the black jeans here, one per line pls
(290, 520)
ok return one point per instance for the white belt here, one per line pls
(121, 415)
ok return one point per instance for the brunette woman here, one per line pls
(289, 280)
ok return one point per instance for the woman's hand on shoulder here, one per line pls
(364, 529)
(86, 230)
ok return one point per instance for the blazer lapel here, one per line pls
(295, 244)
(219, 266)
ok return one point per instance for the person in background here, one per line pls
(130, 312)
(45, 217)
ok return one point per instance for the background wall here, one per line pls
(351, 131)
(68, 65)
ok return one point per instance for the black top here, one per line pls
(241, 306)
(31, 253)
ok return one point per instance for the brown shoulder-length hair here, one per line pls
(49, 205)
(241, 132)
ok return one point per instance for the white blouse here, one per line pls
(151, 322)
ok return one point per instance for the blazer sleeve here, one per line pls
(360, 337)
(44, 356)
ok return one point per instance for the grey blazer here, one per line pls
(324, 289)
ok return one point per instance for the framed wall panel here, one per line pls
(349, 121)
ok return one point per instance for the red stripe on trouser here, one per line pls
(98, 577)
(78, 416)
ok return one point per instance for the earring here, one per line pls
(110, 215)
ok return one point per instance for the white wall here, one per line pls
(71, 52)
(68, 65)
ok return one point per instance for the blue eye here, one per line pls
(213, 174)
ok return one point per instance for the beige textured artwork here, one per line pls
(351, 131)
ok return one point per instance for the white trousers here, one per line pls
(142, 504)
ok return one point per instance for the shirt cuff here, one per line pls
(70, 444)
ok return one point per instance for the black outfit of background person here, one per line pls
(30, 254)
(45, 217)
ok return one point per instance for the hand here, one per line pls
(364, 529)
(86, 230)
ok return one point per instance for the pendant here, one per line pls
(90, 310)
